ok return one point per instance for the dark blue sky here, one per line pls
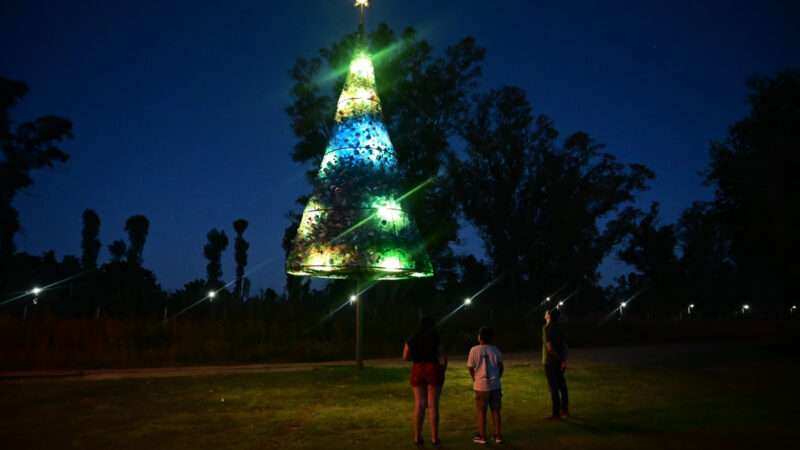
(178, 106)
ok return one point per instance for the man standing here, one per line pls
(554, 360)
(485, 364)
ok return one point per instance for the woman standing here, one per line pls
(427, 377)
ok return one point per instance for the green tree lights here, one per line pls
(354, 225)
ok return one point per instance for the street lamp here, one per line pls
(467, 301)
(35, 293)
(745, 308)
(560, 304)
(353, 299)
(211, 295)
(690, 308)
(792, 309)
(547, 299)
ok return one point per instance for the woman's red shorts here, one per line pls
(427, 373)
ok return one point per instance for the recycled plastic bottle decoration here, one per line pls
(354, 225)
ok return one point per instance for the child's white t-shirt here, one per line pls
(485, 359)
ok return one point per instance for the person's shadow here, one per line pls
(600, 428)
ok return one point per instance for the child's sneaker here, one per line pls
(498, 439)
(478, 439)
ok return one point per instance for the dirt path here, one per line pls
(628, 356)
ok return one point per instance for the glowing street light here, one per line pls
(211, 295)
(560, 304)
(793, 308)
(353, 299)
(690, 308)
(547, 299)
(623, 304)
(467, 301)
(35, 293)
(745, 308)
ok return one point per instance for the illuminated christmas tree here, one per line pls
(354, 225)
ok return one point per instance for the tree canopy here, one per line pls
(748, 170)
(27, 147)
(539, 203)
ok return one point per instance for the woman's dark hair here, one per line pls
(426, 325)
(486, 334)
(555, 314)
(424, 344)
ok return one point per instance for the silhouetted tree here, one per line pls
(471, 276)
(217, 243)
(117, 250)
(132, 291)
(297, 288)
(241, 246)
(28, 147)
(705, 261)
(137, 227)
(537, 204)
(246, 286)
(749, 170)
(190, 293)
(90, 244)
(650, 249)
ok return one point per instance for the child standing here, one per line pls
(485, 364)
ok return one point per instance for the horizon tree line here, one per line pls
(549, 206)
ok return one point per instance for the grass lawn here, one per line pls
(744, 400)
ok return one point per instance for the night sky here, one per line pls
(178, 106)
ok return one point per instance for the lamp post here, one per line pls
(35, 291)
(359, 333)
(689, 309)
(211, 295)
(745, 308)
(622, 308)
(359, 329)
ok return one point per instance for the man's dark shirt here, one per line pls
(553, 334)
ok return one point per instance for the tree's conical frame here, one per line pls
(354, 225)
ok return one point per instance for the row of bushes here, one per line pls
(58, 343)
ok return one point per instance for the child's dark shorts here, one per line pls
(492, 399)
(427, 374)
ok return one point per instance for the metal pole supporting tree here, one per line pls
(359, 331)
